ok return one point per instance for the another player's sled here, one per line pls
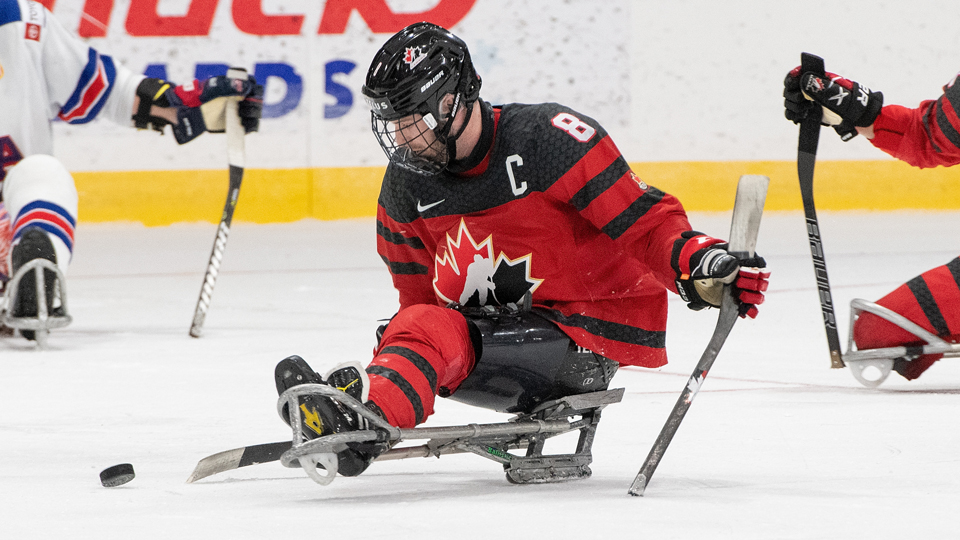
(872, 366)
(495, 442)
(45, 320)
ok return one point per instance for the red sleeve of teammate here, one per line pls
(924, 137)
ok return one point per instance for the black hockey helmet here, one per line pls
(408, 80)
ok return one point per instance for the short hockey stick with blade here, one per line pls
(236, 157)
(268, 452)
(806, 160)
(745, 225)
(265, 453)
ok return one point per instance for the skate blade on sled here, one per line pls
(872, 366)
(318, 457)
(43, 321)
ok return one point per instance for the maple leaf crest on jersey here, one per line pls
(468, 273)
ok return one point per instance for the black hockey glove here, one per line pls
(845, 104)
(200, 105)
(703, 267)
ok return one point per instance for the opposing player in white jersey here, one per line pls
(47, 73)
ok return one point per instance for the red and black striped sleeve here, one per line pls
(408, 258)
(924, 137)
(604, 190)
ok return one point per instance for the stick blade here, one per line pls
(238, 457)
(747, 211)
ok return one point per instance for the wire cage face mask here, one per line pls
(416, 142)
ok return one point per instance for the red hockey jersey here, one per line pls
(923, 137)
(554, 210)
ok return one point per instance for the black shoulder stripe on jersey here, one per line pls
(954, 267)
(599, 183)
(397, 238)
(420, 362)
(945, 126)
(929, 305)
(633, 213)
(610, 330)
(404, 387)
(952, 94)
(926, 129)
(405, 269)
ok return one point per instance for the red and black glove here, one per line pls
(200, 105)
(845, 104)
(703, 267)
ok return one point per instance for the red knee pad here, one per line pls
(423, 349)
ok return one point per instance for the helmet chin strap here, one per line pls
(482, 147)
(452, 139)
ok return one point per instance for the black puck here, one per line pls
(117, 475)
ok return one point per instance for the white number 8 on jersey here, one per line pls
(577, 128)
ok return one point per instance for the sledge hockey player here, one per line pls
(923, 137)
(46, 73)
(484, 209)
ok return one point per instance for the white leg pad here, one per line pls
(39, 191)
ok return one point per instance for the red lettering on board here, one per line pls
(249, 17)
(143, 20)
(382, 20)
(95, 18)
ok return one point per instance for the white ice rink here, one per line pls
(776, 445)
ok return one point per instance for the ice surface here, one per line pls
(776, 445)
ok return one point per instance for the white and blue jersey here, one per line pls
(47, 73)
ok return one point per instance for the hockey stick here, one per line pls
(236, 154)
(744, 227)
(806, 160)
(265, 453)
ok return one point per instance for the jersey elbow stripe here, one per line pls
(623, 333)
(396, 238)
(633, 213)
(600, 183)
(405, 269)
(408, 391)
(945, 113)
(93, 89)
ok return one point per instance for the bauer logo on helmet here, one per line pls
(426, 86)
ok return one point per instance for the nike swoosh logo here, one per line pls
(425, 207)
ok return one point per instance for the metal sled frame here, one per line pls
(882, 358)
(44, 321)
(492, 441)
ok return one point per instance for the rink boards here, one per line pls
(284, 195)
